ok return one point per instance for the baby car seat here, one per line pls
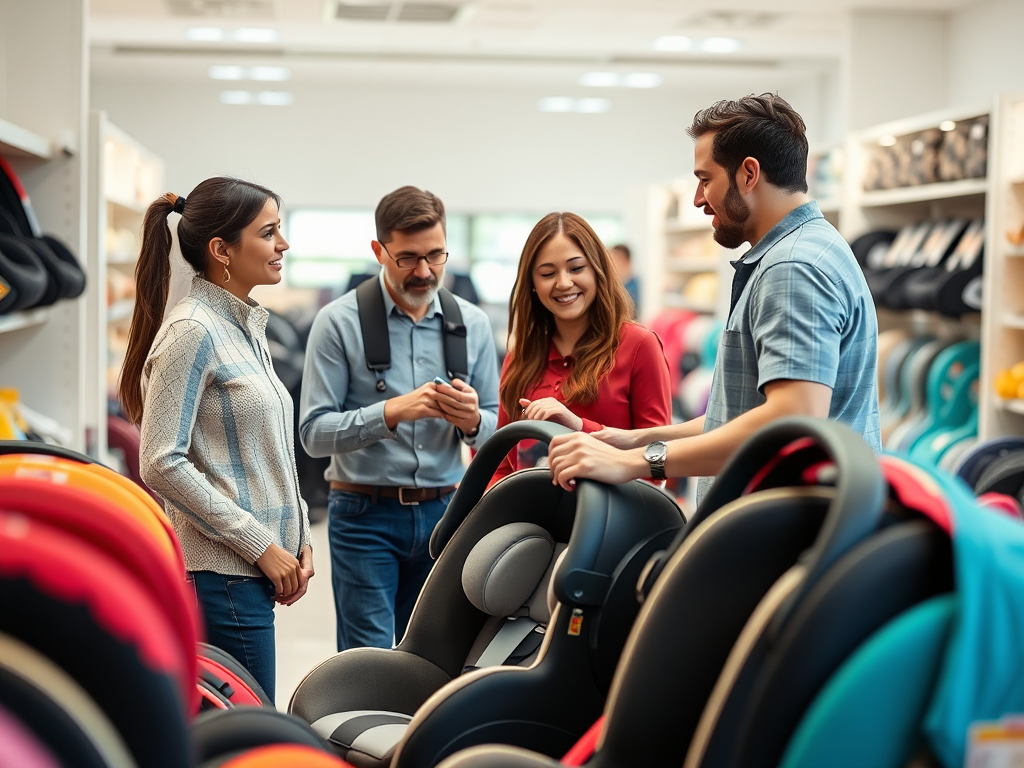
(411, 706)
(751, 552)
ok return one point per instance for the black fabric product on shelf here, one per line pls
(896, 259)
(936, 249)
(950, 289)
(1004, 475)
(869, 249)
(23, 272)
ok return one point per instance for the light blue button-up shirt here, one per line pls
(805, 314)
(343, 413)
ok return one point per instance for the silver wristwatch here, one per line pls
(655, 454)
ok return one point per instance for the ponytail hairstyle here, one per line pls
(219, 207)
(532, 325)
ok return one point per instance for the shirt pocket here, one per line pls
(738, 369)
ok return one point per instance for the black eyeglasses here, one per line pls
(410, 262)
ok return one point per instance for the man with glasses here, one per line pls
(394, 434)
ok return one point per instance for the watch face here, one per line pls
(656, 451)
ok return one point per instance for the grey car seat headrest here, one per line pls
(504, 568)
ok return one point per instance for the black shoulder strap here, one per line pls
(455, 358)
(373, 325)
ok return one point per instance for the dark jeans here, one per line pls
(379, 561)
(239, 616)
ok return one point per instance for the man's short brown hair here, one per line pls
(764, 127)
(408, 209)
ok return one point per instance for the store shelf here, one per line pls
(687, 226)
(943, 190)
(127, 206)
(120, 311)
(1015, 253)
(676, 301)
(691, 264)
(18, 320)
(1011, 320)
(16, 141)
(830, 205)
(1012, 406)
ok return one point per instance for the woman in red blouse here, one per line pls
(575, 357)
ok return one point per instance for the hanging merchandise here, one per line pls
(23, 278)
(64, 277)
(913, 392)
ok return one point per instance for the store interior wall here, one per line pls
(986, 53)
(481, 149)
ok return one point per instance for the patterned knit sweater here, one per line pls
(217, 434)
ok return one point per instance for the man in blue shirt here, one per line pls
(801, 334)
(395, 454)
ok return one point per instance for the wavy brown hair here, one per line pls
(531, 325)
(219, 207)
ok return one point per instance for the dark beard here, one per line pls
(730, 232)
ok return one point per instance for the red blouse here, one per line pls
(635, 394)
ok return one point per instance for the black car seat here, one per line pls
(741, 548)
(416, 695)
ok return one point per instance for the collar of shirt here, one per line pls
(554, 356)
(390, 306)
(795, 218)
(247, 314)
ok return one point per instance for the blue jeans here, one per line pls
(379, 561)
(239, 616)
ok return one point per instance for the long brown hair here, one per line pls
(219, 207)
(531, 325)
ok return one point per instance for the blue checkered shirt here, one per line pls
(805, 314)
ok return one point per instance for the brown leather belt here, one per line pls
(405, 495)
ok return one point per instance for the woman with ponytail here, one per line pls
(575, 357)
(217, 443)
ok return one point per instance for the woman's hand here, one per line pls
(281, 568)
(305, 574)
(549, 409)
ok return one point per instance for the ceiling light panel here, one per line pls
(257, 35)
(274, 98)
(672, 43)
(224, 72)
(270, 74)
(601, 80)
(204, 34)
(720, 45)
(237, 97)
(556, 104)
(222, 8)
(642, 80)
(593, 106)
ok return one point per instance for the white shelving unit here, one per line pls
(997, 198)
(124, 178)
(42, 124)
(1003, 322)
(681, 249)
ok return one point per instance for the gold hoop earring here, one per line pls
(227, 275)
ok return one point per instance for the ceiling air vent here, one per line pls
(234, 9)
(733, 20)
(396, 12)
(363, 12)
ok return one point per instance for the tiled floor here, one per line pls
(305, 631)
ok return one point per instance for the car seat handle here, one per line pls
(853, 514)
(480, 471)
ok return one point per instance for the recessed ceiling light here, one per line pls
(593, 106)
(257, 35)
(947, 125)
(642, 80)
(556, 104)
(274, 98)
(672, 43)
(223, 72)
(237, 97)
(204, 34)
(600, 79)
(721, 45)
(270, 73)
(887, 141)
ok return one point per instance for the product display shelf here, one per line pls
(42, 127)
(686, 268)
(826, 167)
(999, 198)
(124, 177)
